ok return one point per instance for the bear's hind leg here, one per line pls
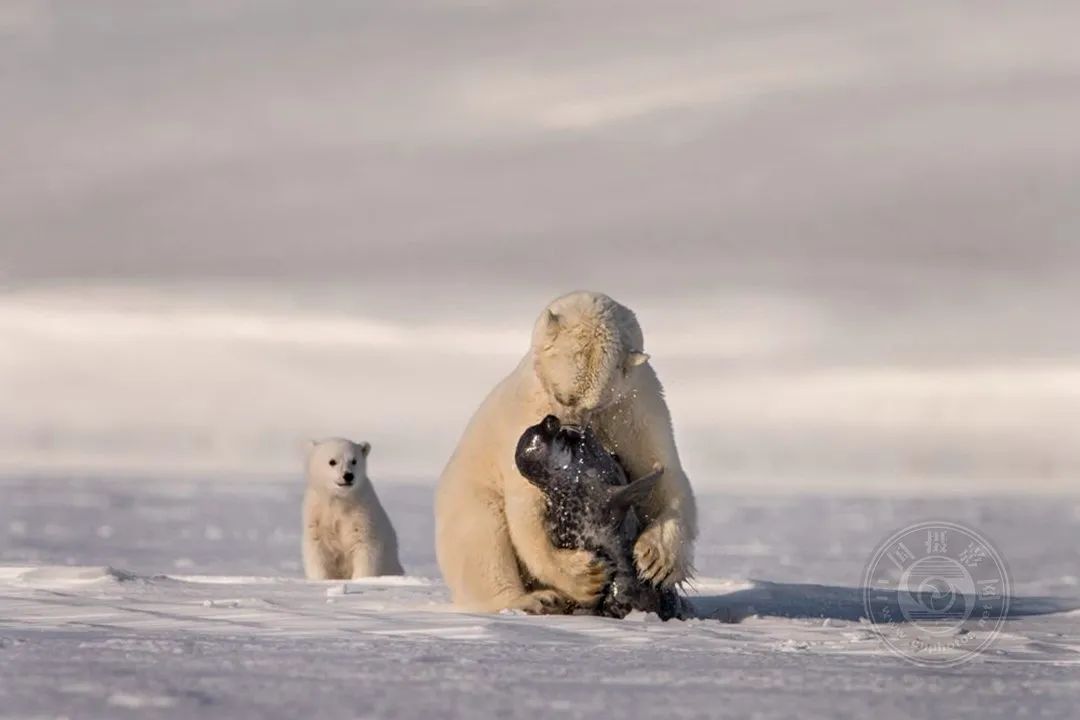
(478, 560)
(543, 602)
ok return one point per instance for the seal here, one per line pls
(591, 505)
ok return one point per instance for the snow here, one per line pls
(92, 624)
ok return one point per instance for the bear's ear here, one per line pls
(553, 324)
(364, 448)
(309, 445)
(635, 358)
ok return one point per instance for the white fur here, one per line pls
(586, 364)
(347, 534)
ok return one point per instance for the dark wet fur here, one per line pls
(591, 506)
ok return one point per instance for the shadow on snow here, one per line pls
(797, 600)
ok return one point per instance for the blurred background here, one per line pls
(851, 231)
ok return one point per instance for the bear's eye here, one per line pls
(353, 461)
(333, 463)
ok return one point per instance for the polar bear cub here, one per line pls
(347, 534)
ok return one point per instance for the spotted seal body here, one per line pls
(591, 506)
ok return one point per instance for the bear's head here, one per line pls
(585, 347)
(337, 465)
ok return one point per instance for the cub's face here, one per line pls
(338, 465)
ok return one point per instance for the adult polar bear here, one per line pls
(585, 364)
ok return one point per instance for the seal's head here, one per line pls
(550, 451)
(576, 473)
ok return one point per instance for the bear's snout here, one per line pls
(348, 478)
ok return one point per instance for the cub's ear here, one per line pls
(635, 358)
(309, 445)
(364, 448)
(636, 493)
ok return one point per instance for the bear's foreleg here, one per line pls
(577, 574)
(662, 552)
(642, 435)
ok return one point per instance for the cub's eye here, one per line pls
(333, 463)
(353, 461)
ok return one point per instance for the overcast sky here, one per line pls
(907, 148)
(856, 184)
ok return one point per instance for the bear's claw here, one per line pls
(586, 575)
(543, 602)
(658, 557)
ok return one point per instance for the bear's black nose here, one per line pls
(348, 477)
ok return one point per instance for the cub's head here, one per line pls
(585, 348)
(337, 464)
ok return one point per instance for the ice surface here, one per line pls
(238, 633)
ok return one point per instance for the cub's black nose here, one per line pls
(550, 424)
(348, 477)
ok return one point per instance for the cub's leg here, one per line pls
(364, 561)
(319, 562)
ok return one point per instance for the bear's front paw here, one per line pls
(661, 555)
(586, 576)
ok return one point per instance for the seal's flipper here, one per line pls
(637, 492)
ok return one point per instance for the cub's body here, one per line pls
(347, 533)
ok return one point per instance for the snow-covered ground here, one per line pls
(182, 597)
